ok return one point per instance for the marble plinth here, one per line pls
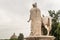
(40, 38)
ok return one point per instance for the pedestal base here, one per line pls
(41, 38)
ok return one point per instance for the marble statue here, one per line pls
(38, 24)
(35, 18)
(47, 23)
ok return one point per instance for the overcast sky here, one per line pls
(15, 13)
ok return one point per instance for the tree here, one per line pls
(21, 36)
(55, 22)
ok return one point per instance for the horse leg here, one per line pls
(48, 33)
(47, 29)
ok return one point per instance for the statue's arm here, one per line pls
(29, 17)
(29, 20)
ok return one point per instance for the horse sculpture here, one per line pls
(47, 23)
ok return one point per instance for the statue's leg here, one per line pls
(32, 29)
(38, 29)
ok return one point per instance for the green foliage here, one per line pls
(21, 36)
(55, 24)
(14, 39)
(58, 30)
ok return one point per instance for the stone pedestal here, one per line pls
(41, 38)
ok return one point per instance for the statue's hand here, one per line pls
(28, 20)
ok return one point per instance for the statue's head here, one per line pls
(34, 5)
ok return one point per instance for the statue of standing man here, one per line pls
(35, 18)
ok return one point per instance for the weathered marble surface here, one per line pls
(36, 22)
(35, 18)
